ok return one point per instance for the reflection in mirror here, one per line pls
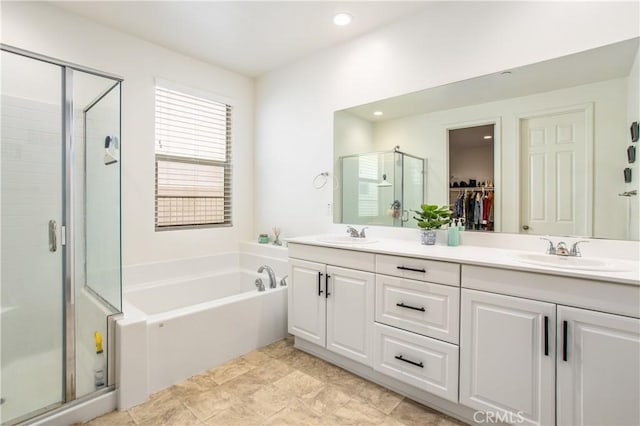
(560, 138)
(377, 187)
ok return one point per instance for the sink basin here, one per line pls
(346, 239)
(570, 262)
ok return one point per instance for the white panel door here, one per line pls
(307, 302)
(507, 356)
(599, 371)
(350, 305)
(554, 193)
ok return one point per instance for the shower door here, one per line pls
(32, 214)
(60, 233)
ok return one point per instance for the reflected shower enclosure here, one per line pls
(60, 223)
(381, 188)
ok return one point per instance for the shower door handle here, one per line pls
(53, 236)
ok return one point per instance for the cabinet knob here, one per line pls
(525, 227)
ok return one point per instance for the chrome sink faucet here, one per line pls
(354, 232)
(272, 275)
(561, 248)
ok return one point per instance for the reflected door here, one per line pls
(555, 197)
(32, 252)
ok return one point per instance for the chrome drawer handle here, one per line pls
(417, 364)
(402, 305)
(406, 268)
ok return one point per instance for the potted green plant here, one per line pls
(431, 217)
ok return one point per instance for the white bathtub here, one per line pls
(196, 323)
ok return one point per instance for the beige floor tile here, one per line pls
(229, 370)
(173, 416)
(381, 398)
(192, 386)
(270, 371)
(347, 382)
(237, 414)
(299, 384)
(277, 385)
(156, 406)
(356, 412)
(450, 421)
(295, 413)
(114, 418)
(278, 349)
(256, 358)
(268, 401)
(209, 403)
(411, 413)
(327, 401)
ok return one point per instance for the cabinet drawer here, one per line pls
(424, 308)
(425, 363)
(419, 269)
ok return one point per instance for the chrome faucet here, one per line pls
(272, 275)
(354, 232)
(283, 281)
(561, 248)
(551, 249)
(575, 251)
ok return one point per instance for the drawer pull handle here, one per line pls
(406, 268)
(402, 305)
(417, 364)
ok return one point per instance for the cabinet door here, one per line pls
(307, 303)
(507, 357)
(599, 371)
(350, 313)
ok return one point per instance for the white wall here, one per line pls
(47, 30)
(448, 42)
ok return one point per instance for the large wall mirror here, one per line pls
(542, 148)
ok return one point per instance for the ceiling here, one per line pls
(250, 38)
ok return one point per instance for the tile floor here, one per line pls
(276, 385)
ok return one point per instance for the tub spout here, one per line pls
(272, 275)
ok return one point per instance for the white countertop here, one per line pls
(481, 256)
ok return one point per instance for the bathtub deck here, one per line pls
(275, 385)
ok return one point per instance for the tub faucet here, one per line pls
(283, 281)
(272, 275)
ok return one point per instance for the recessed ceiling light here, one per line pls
(378, 113)
(342, 19)
(487, 137)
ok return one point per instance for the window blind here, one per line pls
(367, 189)
(193, 161)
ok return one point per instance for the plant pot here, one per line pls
(428, 237)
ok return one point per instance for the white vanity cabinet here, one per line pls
(543, 363)
(332, 307)
(598, 369)
(507, 356)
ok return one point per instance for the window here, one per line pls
(367, 185)
(193, 161)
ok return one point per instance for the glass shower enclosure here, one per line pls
(60, 233)
(381, 188)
